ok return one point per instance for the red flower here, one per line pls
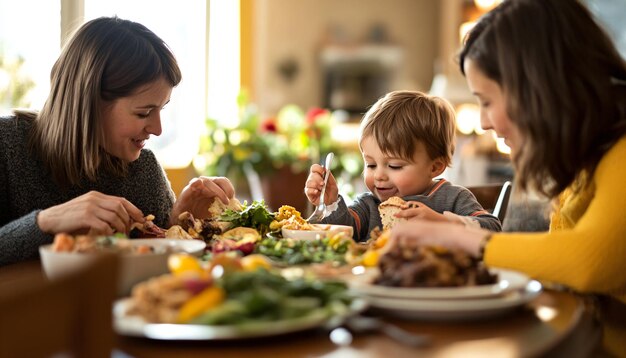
(269, 125)
(313, 113)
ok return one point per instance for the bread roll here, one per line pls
(388, 209)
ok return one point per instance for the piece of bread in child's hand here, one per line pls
(388, 209)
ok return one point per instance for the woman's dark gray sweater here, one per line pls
(26, 189)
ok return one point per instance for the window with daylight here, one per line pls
(30, 38)
(204, 36)
(182, 25)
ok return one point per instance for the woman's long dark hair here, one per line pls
(106, 59)
(564, 82)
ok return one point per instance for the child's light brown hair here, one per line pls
(401, 119)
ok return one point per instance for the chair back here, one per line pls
(493, 197)
(71, 315)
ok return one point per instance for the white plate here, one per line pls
(137, 327)
(454, 310)
(508, 281)
(134, 268)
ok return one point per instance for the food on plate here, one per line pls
(240, 239)
(217, 208)
(177, 232)
(241, 233)
(431, 266)
(388, 209)
(255, 261)
(185, 264)
(200, 229)
(255, 215)
(290, 218)
(235, 296)
(245, 247)
(229, 262)
(298, 252)
(160, 298)
(147, 229)
(90, 244)
(368, 253)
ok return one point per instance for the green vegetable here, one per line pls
(298, 252)
(255, 215)
(261, 295)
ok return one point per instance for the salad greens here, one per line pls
(297, 252)
(255, 215)
(261, 295)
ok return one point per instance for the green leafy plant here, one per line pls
(14, 84)
(292, 138)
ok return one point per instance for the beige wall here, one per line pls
(297, 28)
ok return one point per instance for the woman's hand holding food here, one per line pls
(421, 232)
(93, 212)
(200, 193)
(314, 184)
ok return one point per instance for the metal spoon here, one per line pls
(318, 214)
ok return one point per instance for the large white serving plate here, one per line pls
(508, 281)
(456, 310)
(135, 326)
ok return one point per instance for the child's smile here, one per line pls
(386, 175)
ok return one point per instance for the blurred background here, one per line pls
(270, 86)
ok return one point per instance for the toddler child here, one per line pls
(407, 140)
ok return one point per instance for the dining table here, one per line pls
(556, 323)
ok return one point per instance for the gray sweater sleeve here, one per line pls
(20, 239)
(26, 188)
(467, 205)
(362, 215)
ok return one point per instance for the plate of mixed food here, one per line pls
(229, 298)
(436, 273)
(436, 283)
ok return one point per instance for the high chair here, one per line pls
(493, 197)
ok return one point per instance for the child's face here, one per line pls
(387, 176)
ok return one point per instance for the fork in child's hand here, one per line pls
(318, 214)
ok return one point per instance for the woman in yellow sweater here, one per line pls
(551, 83)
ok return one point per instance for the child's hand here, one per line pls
(416, 210)
(314, 183)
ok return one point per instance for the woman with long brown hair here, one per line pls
(79, 165)
(552, 84)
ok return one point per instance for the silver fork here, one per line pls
(318, 214)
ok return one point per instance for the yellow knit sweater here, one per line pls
(586, 246)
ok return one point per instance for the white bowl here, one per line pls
(134, 268)
(321, 231)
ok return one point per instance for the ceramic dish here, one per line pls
(508, 281)
(134, 268)
(456, 310)
(135, 326)
(321, 231)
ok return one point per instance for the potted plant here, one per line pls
(277, 150)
